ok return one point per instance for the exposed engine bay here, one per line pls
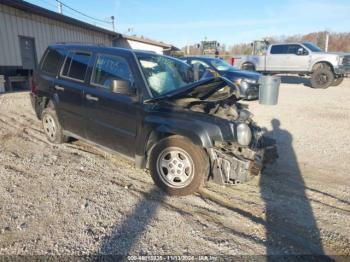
(231, 162)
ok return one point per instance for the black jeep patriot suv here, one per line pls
(150, 108)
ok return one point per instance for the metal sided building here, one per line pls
(25, 32)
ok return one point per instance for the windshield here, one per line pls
(221, 65)
(165, 74)
(312, 47)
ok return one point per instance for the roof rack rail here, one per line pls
(82, 43)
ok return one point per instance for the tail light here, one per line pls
(32, 84)
(232, 60)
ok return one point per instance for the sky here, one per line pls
(181, 22)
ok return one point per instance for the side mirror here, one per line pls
(302, 51)
(123, 87)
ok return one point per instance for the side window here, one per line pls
(108, 68)
(51, 61)
(293, 49)
(278, 49)
(194, 62)
(76, 65)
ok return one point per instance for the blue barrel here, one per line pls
(269, 89)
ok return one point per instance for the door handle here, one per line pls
(59, 88)
(91, 98)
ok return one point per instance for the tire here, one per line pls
(51, 126)
(178, 166)
(337, 81)
(322, 78)
(248, 67)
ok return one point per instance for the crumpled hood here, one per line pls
(202, 89)
(232, 75)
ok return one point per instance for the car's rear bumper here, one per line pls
(36, 104)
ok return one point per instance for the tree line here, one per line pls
(338, 42)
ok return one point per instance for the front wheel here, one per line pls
(322, 78)
(338, 81)
(178, 166)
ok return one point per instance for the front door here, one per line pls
(28, 54)
(69, 87)
(298, 58)
(111, 117)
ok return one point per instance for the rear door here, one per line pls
(276, 60)
(112, 118)
(69, 88)
(48, 71)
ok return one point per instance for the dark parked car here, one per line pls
(247, 81)
(148, 108)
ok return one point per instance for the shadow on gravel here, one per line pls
(291, 227)
(295, 80)
(123, 237)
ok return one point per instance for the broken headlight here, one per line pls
(244, 134)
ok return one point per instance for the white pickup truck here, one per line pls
(325, 68)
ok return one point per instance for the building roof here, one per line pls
(147, 41)
(28, 7)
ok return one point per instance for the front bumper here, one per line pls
(342, 70)
(231, 164)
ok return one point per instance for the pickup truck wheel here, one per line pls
(337, 81)
(178, 166)
(52, 127)
(322, 78)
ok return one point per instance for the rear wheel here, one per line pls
(337, 81)
(322, 78)
(178, 166)
(51, 126)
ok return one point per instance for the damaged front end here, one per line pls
(232, 164)
(243, 149)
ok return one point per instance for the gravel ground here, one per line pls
(74, 199)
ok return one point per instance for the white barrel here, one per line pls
(269, 89)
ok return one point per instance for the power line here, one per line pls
(72, 12)
(83, 14)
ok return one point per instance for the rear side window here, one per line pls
(51, 61)
(279, 49)
(76, 64)
(108, 68)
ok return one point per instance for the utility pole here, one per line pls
(326, 42)
(113, 25)
(59, 7)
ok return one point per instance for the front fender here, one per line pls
(323, 60)
(199, 132)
